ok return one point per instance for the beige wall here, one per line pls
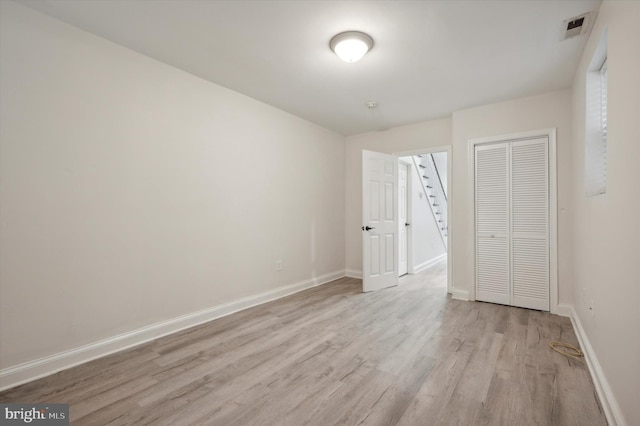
(519, 115)
(123, 202)
(399, 139)
(606, 228)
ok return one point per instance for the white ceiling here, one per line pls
(430, 58)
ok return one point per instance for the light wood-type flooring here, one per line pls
(331, 355)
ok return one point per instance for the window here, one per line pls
(603, 114)
(596, 123)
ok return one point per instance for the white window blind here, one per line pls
(603, 124)
(596, 124)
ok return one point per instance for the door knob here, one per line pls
(367, 228)
(407, 224)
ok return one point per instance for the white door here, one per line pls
(530, 224)
(512, 223)
(403, 231)
(380, 220)
(493, 283)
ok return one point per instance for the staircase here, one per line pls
(435, 192)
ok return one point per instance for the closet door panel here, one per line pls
(492, 223)
(530, 224)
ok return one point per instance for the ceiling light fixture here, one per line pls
(351, 46)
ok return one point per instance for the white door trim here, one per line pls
(408, 206)
(553, 205)
(450, 202)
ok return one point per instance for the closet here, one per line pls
(512, 222)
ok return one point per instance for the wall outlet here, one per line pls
(278, 265)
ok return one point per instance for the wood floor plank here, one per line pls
(332, 355)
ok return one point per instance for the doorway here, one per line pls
(405, 215)
(426, 219)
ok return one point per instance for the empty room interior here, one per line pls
(320, 212)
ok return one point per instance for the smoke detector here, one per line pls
(575, 26)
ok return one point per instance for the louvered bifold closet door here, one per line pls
(492, 223)
(530, 224)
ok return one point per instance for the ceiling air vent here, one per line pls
(575, 26)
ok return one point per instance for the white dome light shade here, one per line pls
(351, 46)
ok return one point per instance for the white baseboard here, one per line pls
(429, 263)
(357, 273)
(607, 399)
(354, 273)
(564, 310)
(460, 294)
(36, 369)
